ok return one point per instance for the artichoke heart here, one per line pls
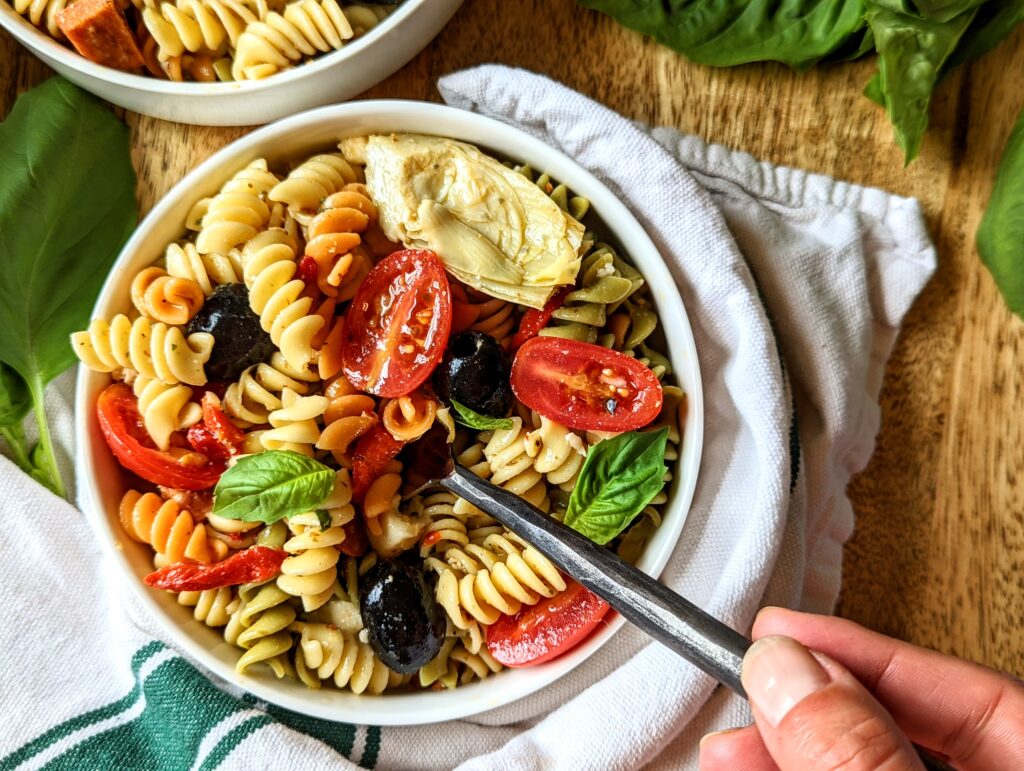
(493, 229)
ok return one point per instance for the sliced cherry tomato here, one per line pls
(308, 269)
(535, 320)
(215, 436)
(356, 543)
(584, 386)
(548, 629)
(121, 424)
(397, 325)
(253, 565)
(373, 451)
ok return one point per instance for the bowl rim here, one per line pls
(41, 43)
(352, 119)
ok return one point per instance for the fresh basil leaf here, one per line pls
(620, 476)
(473, 419)
(1001, 234)
(873, 90)
(324, 517)
(859, 44)
(15, 398)
(724, 33)
(992, 25)
(945, 10)
(911, 54)
(67, 205)
(272, 485)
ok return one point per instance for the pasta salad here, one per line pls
(276, 370)
(203, 40)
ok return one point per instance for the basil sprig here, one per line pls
(323, 516)
(272, 485)
(620, 476)
(67, 204)
(474, 419)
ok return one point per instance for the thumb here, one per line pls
(815, 716)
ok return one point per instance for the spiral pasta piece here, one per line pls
(333, 235)
(196, 25)
(514, 574)
(483, 313)
(166, 298)
(349, 414)
(557, 452)
(407, 418)
(382, 498)
(165, 409)
(166, 527)
(278, 297)
(207, 270)
(212, 607)
(42, 14)
(236, 213)
(575, 206)
(326, 653)
(446, 528)
(257, 392)
(304, 28)
(310, 183)
(294, 426)
(512, 467)
(153, 350)
(476, 665)
(260, 626)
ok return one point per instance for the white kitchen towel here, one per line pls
(795, 285)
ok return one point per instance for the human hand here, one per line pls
(812, 712)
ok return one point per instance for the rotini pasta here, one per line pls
(407, 418)
(294, 425)
(258, 390)
(212, 607)
(279, 297)
(171, 531)
(166, 298)
(152, 350)
(165, 409)
(207, 270)
(349, 415)
(260, 626)
(309, 184)
(513, 468)
(209, 26)
(302, 29)
(332, 237)
(42, 13)
(235, 214)
(327, 653)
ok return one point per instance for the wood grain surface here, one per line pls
(938, 553)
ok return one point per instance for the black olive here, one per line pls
(239, 340)
(475, 372)
(404, 623)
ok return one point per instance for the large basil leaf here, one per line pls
(911, 54)
(724, 33)
(67, 205)
(1001, 234)
(993, 24)
(945, 10)
(272, 485)
(620, 476)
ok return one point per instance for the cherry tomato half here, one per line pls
(548, 629)
(397, 325)
(121, 424)
(584, 386)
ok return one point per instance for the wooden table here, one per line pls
(938, 553)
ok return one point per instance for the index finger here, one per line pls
(969, 713)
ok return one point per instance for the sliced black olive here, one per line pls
(239, 340)
(475, 372)
(404, 623)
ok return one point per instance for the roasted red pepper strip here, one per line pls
(356, 543)
(534, 320)
(216, 436)
(373, 451)
(253, 565)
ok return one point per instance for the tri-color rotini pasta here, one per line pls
(296, 318)
(203, 40)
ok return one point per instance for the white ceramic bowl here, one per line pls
(101, 482)
(326, 79)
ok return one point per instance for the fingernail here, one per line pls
(779, 673)
(715, 734)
